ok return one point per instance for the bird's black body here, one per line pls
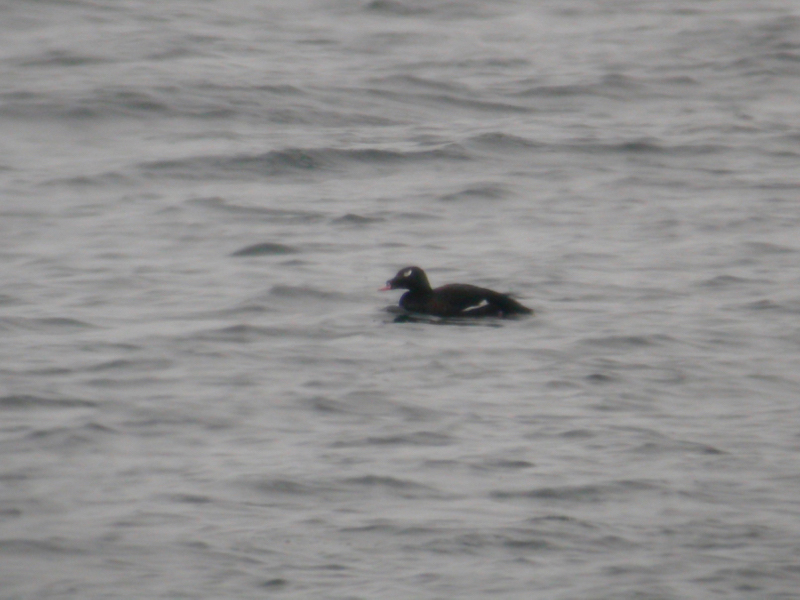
(453, 300)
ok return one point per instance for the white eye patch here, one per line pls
(407, 273)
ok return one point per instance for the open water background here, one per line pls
(203, 396)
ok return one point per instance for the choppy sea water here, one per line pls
(202, 394)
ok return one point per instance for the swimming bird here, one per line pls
(452, 300)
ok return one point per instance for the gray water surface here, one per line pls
(202, 394)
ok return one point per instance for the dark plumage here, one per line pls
(452, 300)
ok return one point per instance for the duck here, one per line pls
(451, 300)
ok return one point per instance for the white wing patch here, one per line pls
(480, 304)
